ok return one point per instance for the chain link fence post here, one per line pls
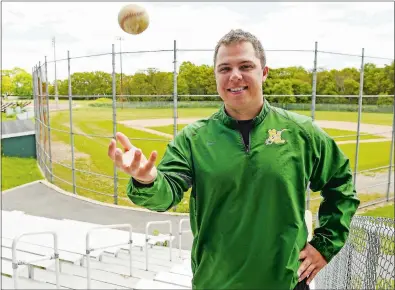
(38, 120)
(34, 87)
(114, 121)
(71, 124)
(359, 117)
(175, 116)
(175, 95)
(42, 123)
(391, 154)
(48, 124)
(313, 99)
(314, 88)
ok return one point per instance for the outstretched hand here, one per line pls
(132, 161)
(312, 263)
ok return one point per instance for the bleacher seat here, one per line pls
(112, 272)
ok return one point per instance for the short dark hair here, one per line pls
(239, 35)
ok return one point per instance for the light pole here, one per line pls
(56, 81)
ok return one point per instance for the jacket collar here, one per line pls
(232, 123)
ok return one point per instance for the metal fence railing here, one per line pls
(367, 259)
(108, 184)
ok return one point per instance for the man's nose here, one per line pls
(235, 75)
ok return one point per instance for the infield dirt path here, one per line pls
(364, 182)
(380, 130)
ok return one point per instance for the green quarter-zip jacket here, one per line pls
(247, 201)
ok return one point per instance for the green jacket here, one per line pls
(247, 205)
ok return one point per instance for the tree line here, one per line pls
(199, 80)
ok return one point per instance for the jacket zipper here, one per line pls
(246, 147)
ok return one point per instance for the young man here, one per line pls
(249, 166)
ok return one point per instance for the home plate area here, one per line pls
(90, 256)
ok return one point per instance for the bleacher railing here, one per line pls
(147, 239)
(16, 263)
(180, 233)
(90, 249)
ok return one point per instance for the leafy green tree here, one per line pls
(22, 83)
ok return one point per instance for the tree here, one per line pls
(200, 80)
(6, 85)
(22, 83)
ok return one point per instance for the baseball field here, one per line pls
(151, 129)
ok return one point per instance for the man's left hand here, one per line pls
(312, 263)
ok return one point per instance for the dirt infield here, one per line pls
(364, 182)
(379, 130)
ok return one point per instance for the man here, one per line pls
(249, 166)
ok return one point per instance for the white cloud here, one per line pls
(91, 28)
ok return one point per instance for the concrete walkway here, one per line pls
(39, 199)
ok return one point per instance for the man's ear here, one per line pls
(265, 73)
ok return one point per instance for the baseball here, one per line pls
(133, 19)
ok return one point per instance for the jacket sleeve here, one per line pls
(331, 176)
(173, 179)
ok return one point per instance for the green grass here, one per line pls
(385, 283)
(386, 211)
(98, 121)
(335, 133)
(97, 113)
(152, 113)
(368, 118)
(168, 129)
(371, 155)
(5, 118)
(98, 162)
(17, 171)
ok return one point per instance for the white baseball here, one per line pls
(133, 19)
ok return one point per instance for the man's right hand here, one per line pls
(132, 161)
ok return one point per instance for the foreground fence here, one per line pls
(367, 259)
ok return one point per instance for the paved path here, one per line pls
(40, 200)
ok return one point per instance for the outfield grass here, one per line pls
(152, 113)
(335, 133)
(368, 118)
(363, 197)
(371, 155)
(17, 171)
(98, 121)
(386, 211)
(168, 129)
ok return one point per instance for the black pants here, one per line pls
(302, 285)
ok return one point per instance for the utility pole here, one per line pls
(56, 81)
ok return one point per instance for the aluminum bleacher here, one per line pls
(44, 253)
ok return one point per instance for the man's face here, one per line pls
(239, 75)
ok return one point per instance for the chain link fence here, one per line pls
(65, 140)
(67, 143)
(367, 259)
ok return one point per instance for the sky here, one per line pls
(92, 28)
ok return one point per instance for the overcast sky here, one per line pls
(91, 28)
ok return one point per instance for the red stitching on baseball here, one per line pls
(130, 14)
